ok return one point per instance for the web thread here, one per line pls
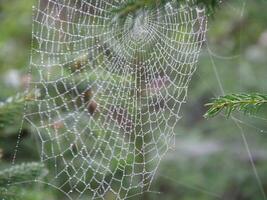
(108, 93)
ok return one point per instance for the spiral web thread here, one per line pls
(108, 91)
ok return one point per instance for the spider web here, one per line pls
(108, 91)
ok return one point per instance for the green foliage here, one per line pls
(132, 6)
(7, 195)
(235, 180)
(15, 33)
(16, 175)
(210, 5)
(20, 173)
(248, 103)
(11, 109)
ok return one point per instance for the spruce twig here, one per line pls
(7, 195)
(132, 6)
(12, 108)
(247, 103)
(17, 174)
(20, 173)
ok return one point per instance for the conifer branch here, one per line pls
(20, 173)
(247, 103)
(8, 195)
(17, 174)
(132, 6)
(12, 108)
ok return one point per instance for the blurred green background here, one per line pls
(210, 159)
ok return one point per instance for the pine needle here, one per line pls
(247, 103)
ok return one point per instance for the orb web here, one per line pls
(108, 92)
